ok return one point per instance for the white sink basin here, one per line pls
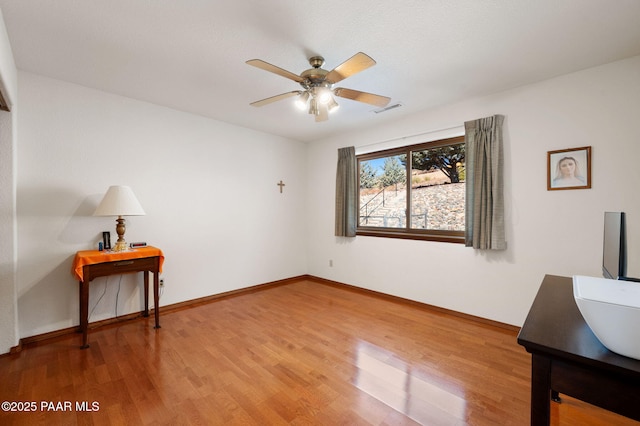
(611, 308)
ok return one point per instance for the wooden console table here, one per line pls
(90, 264)
(567, 358)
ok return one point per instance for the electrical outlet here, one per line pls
(161, 282)
(331, 263)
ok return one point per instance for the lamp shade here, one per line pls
(119, 201)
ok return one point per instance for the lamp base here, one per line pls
(121, 246)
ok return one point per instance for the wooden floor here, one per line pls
(303, 354)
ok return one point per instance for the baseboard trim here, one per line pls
(421, 305)
(232, 293)
(15, 349)
(46, 337)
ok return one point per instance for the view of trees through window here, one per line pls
(423, 194)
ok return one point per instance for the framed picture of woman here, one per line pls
(569, 168)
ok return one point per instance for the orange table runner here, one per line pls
(89, 257)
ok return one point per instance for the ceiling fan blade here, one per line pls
(275, 98)
(356, 95)
(276, 70)
(353, 65)
(323, 113)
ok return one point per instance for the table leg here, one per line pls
(156, 297)
(146, 293)
(540, 390)
(84, 312)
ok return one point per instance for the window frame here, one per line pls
(406, 232)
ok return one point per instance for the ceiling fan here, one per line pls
(318, 93)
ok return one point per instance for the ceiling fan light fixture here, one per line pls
(313, 107)
(332, 106)
(301, 102)
(324, 95)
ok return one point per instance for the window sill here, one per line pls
(440, 236)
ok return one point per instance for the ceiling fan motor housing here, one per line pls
(314, 76)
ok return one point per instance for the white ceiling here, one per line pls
(190, 54)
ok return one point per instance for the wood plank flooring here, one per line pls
(303, 353)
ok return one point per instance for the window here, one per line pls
(415, 192)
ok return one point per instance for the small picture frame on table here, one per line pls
(569, 169)
(106, 240)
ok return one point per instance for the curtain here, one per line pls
(346, 193)
(484, 214)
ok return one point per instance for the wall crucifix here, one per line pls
(280, 184)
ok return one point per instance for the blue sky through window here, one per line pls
(378, 164)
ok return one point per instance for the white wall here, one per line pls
(8, 138)
(548, 232)
(208, 188)
(212, 203)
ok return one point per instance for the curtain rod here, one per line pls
(412, 136)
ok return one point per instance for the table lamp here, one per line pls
(119, 201)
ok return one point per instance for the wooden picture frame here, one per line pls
(569, 169)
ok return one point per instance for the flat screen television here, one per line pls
(614, 247)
